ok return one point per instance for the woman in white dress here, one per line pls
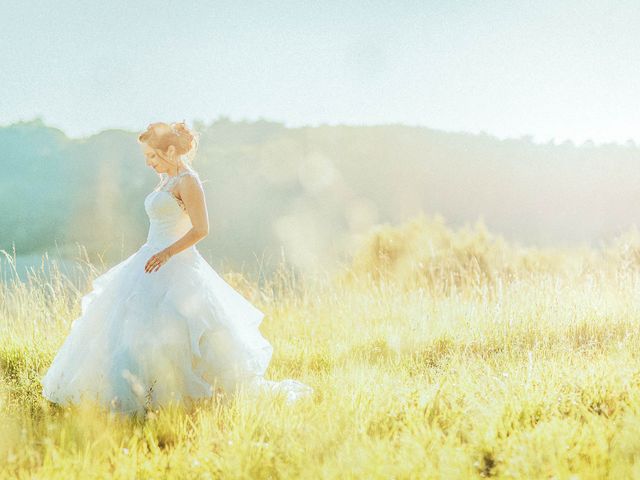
(162, 326)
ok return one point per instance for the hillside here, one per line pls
(309, 192)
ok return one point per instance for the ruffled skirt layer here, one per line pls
(149, 339)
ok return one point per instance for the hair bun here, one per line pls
(180, 128)
(161, 135)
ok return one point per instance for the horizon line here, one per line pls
(529, 138)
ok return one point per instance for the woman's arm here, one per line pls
(192, 196)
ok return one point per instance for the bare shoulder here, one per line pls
(189, 180)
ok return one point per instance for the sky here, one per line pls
(551, 70)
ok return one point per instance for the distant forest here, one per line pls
(308, 193)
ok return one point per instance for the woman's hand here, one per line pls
(157, 260)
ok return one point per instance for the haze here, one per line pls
(551, 70)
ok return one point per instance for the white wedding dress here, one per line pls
(179, 333)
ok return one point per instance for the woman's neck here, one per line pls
(178, 171)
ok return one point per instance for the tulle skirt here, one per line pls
(177, 334)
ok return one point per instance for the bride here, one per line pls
(162, 326)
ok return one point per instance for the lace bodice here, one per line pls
(168, 183)
(167, 214)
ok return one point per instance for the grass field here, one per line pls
(433, 354)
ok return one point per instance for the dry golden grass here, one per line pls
(435, 354)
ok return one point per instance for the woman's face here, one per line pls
(153, 160)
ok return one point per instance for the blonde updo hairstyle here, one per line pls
(160, 136)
